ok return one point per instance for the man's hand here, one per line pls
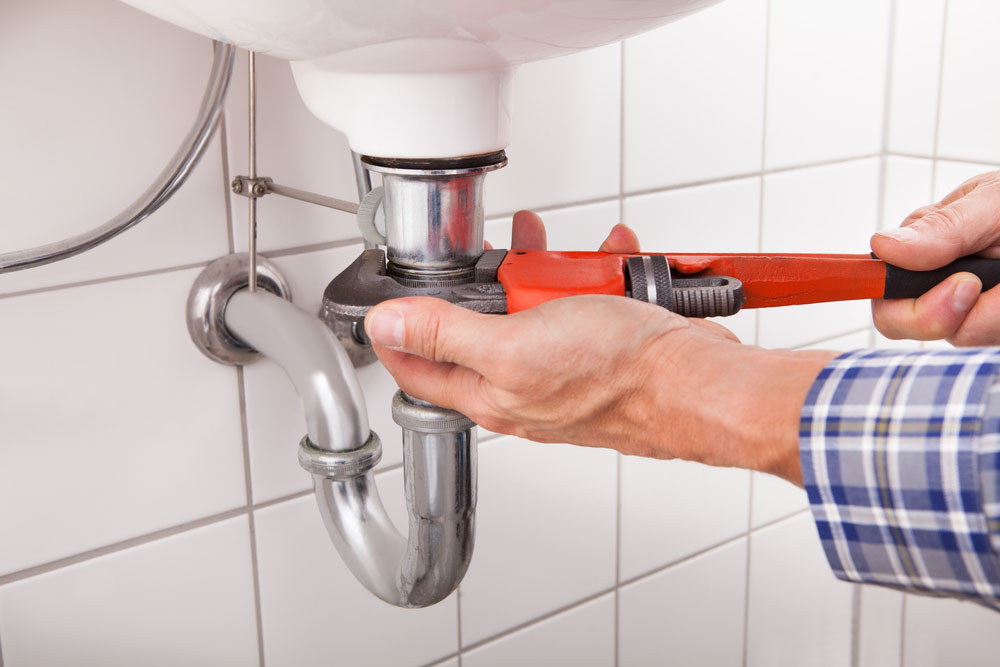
(966, 222)
(602, 371)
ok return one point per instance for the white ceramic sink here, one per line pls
(416, 78)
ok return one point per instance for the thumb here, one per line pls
(433, 329)
(944, 233)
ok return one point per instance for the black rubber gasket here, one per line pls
(430, 164)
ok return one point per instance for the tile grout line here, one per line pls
(264, 504)
(535, 621)
(691, 184)
(106, 279)
(607, 591)
(618, 555)
(115, 547)
(856, 626)
(945, 158)
(827, 339)
(760, 244)
(328, 245)
(746, 583)
(618, 457)
(458, 623)
(890, 68)
(880, 222)
(940, 98)
(139, 540)
(902, 631)
(244, 423)
(251, 523)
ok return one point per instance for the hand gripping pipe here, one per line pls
(439, 459)
(170, 179)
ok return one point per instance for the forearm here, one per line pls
(741, 408)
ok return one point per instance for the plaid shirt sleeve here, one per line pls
(900, 456)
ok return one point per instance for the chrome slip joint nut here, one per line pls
(415, 415)
(340, 465)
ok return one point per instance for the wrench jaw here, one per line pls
(649, 278)
(366, 283)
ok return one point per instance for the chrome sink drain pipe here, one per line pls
(434, 236)
(233, 325)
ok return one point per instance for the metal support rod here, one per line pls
(312, 198)
(252, 125)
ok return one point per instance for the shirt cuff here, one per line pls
(900, 458)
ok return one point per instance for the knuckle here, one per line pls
(946, 221)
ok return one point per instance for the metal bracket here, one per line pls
(255, 188)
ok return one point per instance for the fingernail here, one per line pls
(901, 234)
(965, 294)
(385, 327)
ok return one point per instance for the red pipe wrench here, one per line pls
(706, 285)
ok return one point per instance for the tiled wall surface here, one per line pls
(151, 508)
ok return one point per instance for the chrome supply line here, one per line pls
(166, 184)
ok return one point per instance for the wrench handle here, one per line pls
(904, 284)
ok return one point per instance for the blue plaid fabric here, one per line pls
(900, 456)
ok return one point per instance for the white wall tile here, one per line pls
(969, 107)
(572, 228)
(275, 421)
(916, 70)
(799, 613)
(908, 185)
(880, 627)
(105, 380)
(883, 343)
(565, 136)
(824, 209)
(545, 528)
(939, 632)
(582, 637)
(691, 614)
(183, 600)
(723, 217)
(826, 80)
(795, 326)
(656, 531)
(87, 129)
(775, 498)
(314, 611)
(694, 97)
(295, 149)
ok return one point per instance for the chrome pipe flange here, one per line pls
(206, 305)
(340, 465)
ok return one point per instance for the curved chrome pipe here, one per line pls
(439, 468)
(172, 177)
